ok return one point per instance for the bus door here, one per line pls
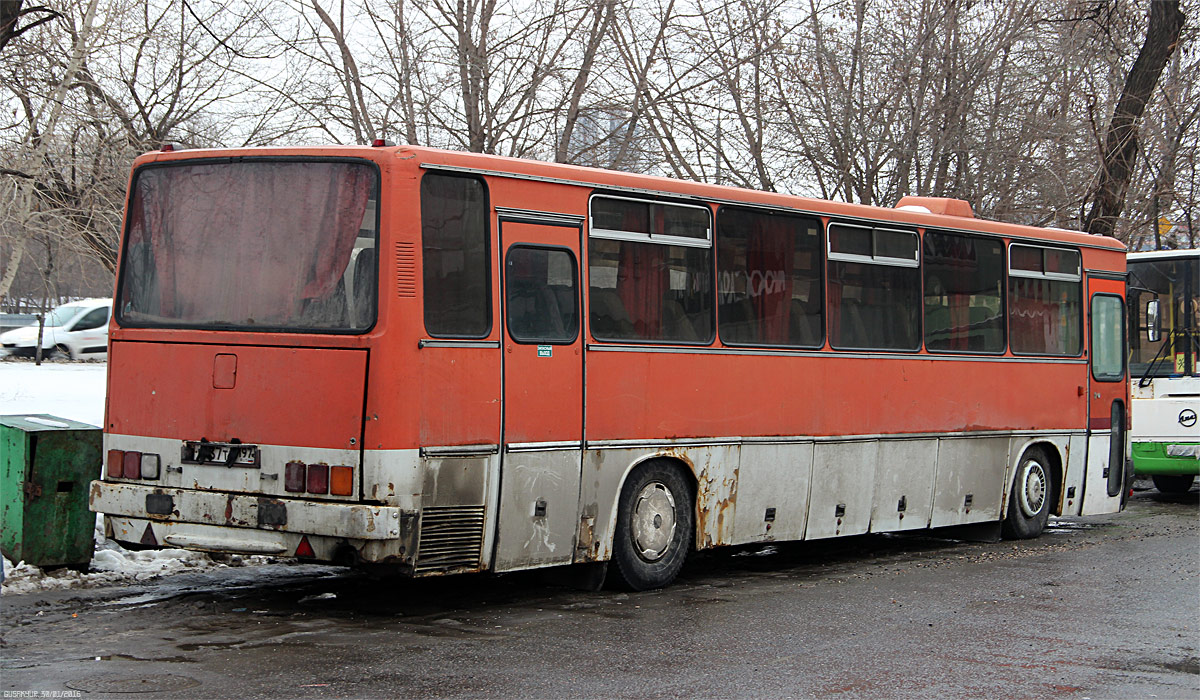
(542, 440)
(1107, 396)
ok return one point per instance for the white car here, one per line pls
(78, 331)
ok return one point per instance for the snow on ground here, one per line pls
(76, 390)
(72, 390)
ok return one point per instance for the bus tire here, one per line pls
(654, 526)
(1029, 500)
(1173, 483)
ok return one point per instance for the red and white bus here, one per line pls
(455, 362)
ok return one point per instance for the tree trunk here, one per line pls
(1120, 140)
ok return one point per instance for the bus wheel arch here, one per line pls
(654, 527)
(1034, 491)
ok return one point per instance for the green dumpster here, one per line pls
(46, 464)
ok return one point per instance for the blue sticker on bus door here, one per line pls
(545, 350)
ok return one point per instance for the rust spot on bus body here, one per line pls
(716, 497)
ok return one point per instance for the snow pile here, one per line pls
(112, 564)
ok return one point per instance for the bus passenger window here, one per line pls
(540, 299)
(1045, 287)
(874, 288)
(454, 256)
(649, 271)
(964, 302)
(769, 278)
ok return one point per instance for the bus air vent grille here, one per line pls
(451, 538)
(406, 269)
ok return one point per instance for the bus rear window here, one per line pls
(251, 244)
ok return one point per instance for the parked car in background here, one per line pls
(78, 331)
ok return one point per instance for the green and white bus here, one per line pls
(1164, 298)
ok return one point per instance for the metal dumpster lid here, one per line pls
(38, 422)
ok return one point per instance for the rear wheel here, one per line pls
(1029, 502)
(1173, 483)
(654, 526)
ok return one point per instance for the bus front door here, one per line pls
(1107, 398)
(542, 438)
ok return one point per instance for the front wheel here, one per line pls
(62, 351)
(654, 526)
(1173, 483)
(1029, 502)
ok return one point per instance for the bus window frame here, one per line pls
(1124, 351)
(873, 259)
(489, 254)
(1003, 292)
(1082, 323)
(575, 280)
(375, 195)
(636, 237)
(822, 270)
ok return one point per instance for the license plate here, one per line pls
(220, 453)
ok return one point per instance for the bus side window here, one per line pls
(963, 301)
(1045, 306)
(874, 288)
(768, 269)
(454, 256)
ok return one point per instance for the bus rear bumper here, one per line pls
(249, 524)
(1165, 458)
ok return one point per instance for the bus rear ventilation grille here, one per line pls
(406, 269)
(451, 538)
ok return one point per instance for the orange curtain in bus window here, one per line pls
(642, 275)
(769, 263)
(642, 279)
(1035, 324)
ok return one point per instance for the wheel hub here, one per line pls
(1032, 495)
(653, 521)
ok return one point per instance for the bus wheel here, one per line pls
(1173, 483)
(1029, 503)
(654, 526)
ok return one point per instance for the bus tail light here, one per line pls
(150, 464)
(299, 477)
(116, 463)
(124, 464)
(293, 477)
(318, 478)
(132, 465)
(341, 481)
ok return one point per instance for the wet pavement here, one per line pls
(1102, 607)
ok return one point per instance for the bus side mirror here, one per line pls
(1153, 321)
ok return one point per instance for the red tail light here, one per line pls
(293, 477)
(132, 465)
(318, 478)
(116, 463)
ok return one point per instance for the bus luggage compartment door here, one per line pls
(297, 410)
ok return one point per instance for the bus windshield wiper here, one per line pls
(1159, 358)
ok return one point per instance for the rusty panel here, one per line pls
(842, 491)
(539, 495)
(717, 475)
(969, 466)
(904, 485)
(772, 492)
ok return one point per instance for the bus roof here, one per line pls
(923, 214)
